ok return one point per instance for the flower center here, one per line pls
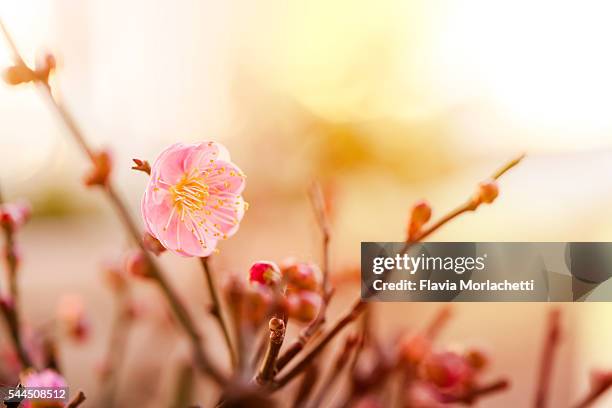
(190, 194)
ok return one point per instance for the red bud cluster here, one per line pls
(295, 285)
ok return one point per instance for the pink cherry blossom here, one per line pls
(193, 198)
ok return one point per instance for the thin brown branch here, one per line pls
(275, 342)
(76, 400)
(349, 317)
(470, 205)
(551, 343)
(202, 360)
(216, 310)
(10, 307)
(318, 203)
(11, 43)
(600, 384)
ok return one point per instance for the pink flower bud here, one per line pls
(152, 244)
(446, 369)
(419, 216)
(265, 272)
(301, 275)
(15, 215)
(487, 191)
(304, 305)
(136, 264)
(71, 315)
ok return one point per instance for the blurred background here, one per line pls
(385, 102)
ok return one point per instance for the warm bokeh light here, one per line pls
(386, 101)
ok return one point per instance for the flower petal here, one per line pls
(202, 155)
(183, 239)
(225, 177)
(224, 220)
(169, 166)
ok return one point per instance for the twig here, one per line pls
(10, 307)
(277, 335)
(470, 205)
(551, 343)
(600, 384)
(318, 202)
(215, 310)
(76, 400)
(353, 313)
(202, 360)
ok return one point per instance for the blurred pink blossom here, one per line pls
(48, 379)
(15, 214)
(193, 198)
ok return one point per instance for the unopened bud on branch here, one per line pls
(300, 275)
(265, 273)
(487, 191)
(304, 305)
(419, 216)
